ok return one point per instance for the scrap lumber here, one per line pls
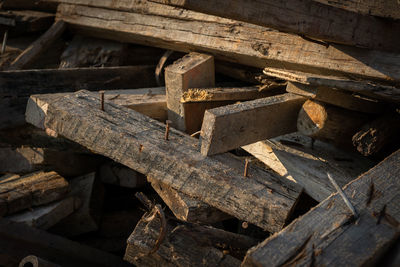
(85, 51)
(381, 8)
(35, 261)
(19, 193)
(117, 174)
(292, 156)
(44, 217)
(196, 101)
(330, 234)
(306, 18)
(26, 21)
(336, 97)
(42, 5)
(29, 55)
(183, 245)
(186, 208)
(194, 70)
(86, 219)
(182, 30)
(329, 123)
(138, 142)
(364, 87)
(19, 240)
(229, 127)
(376, 134)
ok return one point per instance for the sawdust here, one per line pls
(194, 95)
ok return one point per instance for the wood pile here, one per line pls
(199, 133)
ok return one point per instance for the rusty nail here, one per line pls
(168, 122)
(245, 225)
(246, 168)
(102, 100)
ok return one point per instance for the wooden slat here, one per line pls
(307, 18)
(233, 126)
(39, 46)
(364, 87)
(137, 141)
(178, 29)
(329, 234)
(295, 157)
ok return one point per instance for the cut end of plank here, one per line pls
(312, 118)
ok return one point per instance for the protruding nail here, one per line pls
(102, 100)
(168, 122)
(246, 168)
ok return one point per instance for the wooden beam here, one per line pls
(186, 208)
(329, 123)
(29, 55)
(185, 245)
(329, 234)
(139, 143)
(46, 216)
(307, 18)
(364, 87)
(233, 126)
(336, 97)
(192, 71)
(228, 40)
(381, 8)
(18, 240)
(19, 193)
(296, 158)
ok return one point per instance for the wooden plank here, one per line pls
(336, 97)
(186, 245)
(295, 157)
(138, 142)
(18, 240)
(381, 8)
(31, 190)
(29, 55)
(46, 216)
(307, 18)
(191, 71)
(364, 87)
(186, 208)
(239, 42)
(233, 126)
(329, 234)
(329, 123)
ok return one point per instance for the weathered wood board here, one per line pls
(229, 127)
(138, 142)
(329, 234)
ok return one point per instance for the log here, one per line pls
(87, 218)
(233, 126)
(329, 123)
(26, 21)
(39, 46)
(227, 40)
(192, 71)
(184, 245)
(34, 261)
(117, 174)
(339, 98)
(46, 216)
(377, 134)
(329, 234)
(292, 156)
(138, 142)
(381, 8)
(18, 240)
(186, 208)
(19, 193)
(306, 18)
(364, 87)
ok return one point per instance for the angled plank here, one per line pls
(307, 18)
(182, 30)
(138, 142)
(233, 126)
(292, 156)
(329, 234)
(364, 87)
(29, 55)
